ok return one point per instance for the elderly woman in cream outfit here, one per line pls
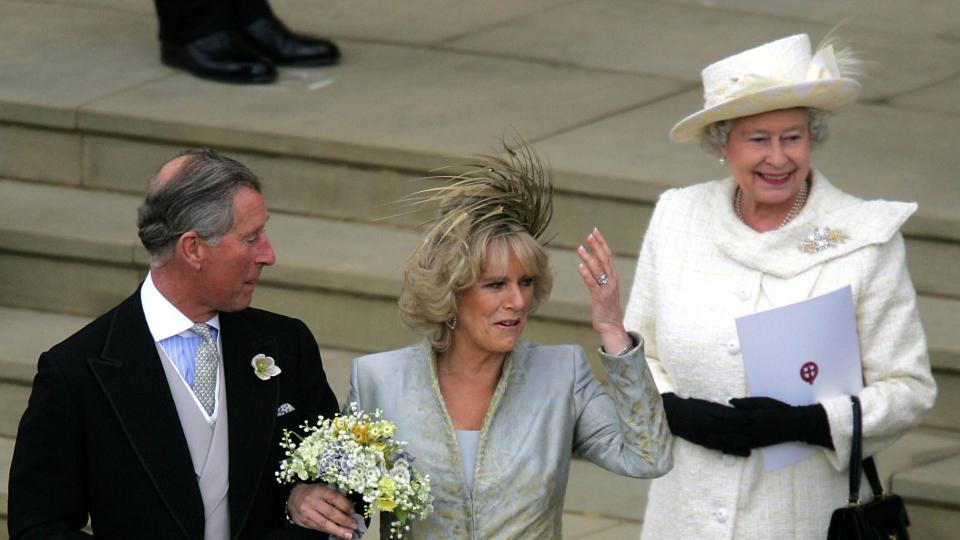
(492, 419)
(773, 233)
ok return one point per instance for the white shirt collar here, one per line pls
(163, 318)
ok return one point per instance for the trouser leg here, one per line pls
(182, 21)
(246, 11)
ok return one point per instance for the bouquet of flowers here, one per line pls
(356, 453)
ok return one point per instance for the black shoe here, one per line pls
(221, 56)
(275, 41)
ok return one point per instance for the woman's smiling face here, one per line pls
(769, 157)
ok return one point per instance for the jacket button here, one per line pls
(743, 295)
(733, 347)
(721, 515)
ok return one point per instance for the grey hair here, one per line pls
(716, 135)
(199, 197)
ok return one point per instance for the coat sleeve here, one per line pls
(628, 432)
(899, 388)
(353, 395)
(47, 480)
(314, 388)
(641, 309)
(315, 392)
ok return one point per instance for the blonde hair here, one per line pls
(499, 206)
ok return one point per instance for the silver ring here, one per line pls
(603, 279)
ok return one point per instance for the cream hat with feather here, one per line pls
(781, 74)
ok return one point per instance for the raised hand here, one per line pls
(600, 276)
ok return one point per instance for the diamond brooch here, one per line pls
(822, 238)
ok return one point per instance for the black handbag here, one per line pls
(883, 518)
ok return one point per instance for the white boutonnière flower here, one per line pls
(264, 367)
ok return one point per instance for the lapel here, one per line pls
(778, 252)
(252, 411)
(129, 372)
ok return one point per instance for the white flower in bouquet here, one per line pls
(356, 453)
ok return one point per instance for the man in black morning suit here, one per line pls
(130, 426)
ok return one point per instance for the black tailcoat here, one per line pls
(101, 436)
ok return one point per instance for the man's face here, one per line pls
(229, 270)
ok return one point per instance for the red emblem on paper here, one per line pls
(809, 372)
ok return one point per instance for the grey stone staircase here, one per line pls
(80, 135)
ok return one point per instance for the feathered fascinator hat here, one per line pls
(508, 197)
(501, 195)
(778, 75)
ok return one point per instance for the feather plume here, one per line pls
(503, 194)
(850, 64)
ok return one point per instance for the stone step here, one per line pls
(27, 333)
(932, 494)
(593, 491)
(306, 186)
(91, 228)
(936, 483)
(6, 456)
(343, 143)
(324, 275)
(918, 448)
(941, 319)
(324, 266)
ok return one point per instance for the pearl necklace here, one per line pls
(798, 202)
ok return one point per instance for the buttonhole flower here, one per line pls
(264, 367)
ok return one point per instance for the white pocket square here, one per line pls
(286, 408)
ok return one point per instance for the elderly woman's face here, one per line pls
(769, 156)
(493, 312)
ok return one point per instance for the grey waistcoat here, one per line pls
(208, 449)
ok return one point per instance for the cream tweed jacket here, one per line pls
(699, 268)
(546, 408)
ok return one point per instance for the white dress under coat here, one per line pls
(699, 268)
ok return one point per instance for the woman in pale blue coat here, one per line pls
(492, 419)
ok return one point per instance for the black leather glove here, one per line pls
(708, 424)
(774, 422)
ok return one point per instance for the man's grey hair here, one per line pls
(199, 197)
(715, 135)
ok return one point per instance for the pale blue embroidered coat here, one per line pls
(547, 407)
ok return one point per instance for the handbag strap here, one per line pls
(870, 469)
(858, 465)
(856, 453)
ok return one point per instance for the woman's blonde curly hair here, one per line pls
(500, 205)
